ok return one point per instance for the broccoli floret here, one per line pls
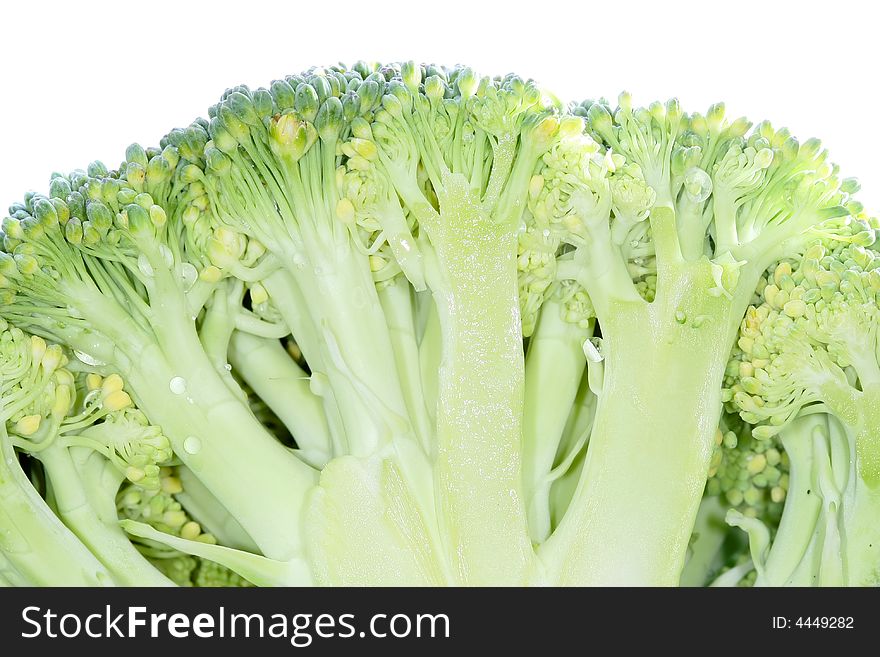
(35, 394)
(669, 268)
(121, 279)
(405, 324)
(805, 373)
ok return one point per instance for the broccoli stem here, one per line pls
(215, 333)
(866, 430)
(861, 494)
(862, 550)
(555, 365)
(107, 542)
(225, 446)
(9, 575)
(430, 350)
(257, 569)
(848, 488)
(356, 348)
(481, 381)
(266, 367)
(646, 467)
(371, 523)
(288, 299)
(203, 507)
(210, 428)
(802, 503)
(578, 425)
(32, 538)
(397, 304)
(709, 534)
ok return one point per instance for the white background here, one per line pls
(81, 80)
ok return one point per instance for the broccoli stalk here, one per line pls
(806, 372)
(709, 252)
(555, 365)
(476, 144)
(271, 171)
(37, 546)
(124, 276)
(401, 230)
(637, 430)
(264, 365)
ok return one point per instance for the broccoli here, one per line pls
(723, 204)
(107, 272)
(805, 373)
(409, 325)
(37, 548)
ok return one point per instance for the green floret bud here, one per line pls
(97, 169)
(178, 568)
(158, 507)
(211, 574)
(307, 102)
(242, 107)
(806, 341)
(59, 188)
(536, 262)
(330, 120)
(572, 189)
(577, 308)
(135, 154)
(159, 170)
(290, 138)
(137, 448)
(631, 198)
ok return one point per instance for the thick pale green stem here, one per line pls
(215, 332)
(225, 446)
(286, 295)
(646, 467)
(802, 504)
(356, 349)
(555, 364)
(397, 304)
(367, 527)
(691, 230)
(210, 429)
(867, 435)
(710, 532)
(267, 368)
(205, 508)
(578, 426)
(8, 575)
(32, 538)
(289, 301)
(862, 497)
(430, 348)
(862, 546)
(481, 380)
(106, 541)
(856, 466)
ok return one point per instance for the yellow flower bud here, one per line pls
(345, 211)
(210, 274)
(259, 294)
(117, 400)
(94, 381)
(28, 425)
(190, 530)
